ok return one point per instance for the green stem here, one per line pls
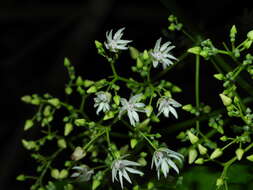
(94, 139)
(147, 139)
(197, 87)
(113, 68)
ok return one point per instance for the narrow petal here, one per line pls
(173, 111)
(134, 171)
(157, 44)
(121, 179)
(172, 164)
(126, 176)
(164, 46)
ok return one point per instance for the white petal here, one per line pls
(157, 44)
(120, 179)
(125, 175)
(173, 111)
(130, 163)
(173, 165)
(134, 171)
(164, 46)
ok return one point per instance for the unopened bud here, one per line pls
(193, 138)
(239, 153)
(225, 100)
(192, 155)
(216, 153)
(202, 149)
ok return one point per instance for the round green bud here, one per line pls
(193, 138)
(225, 100)
(239, 153)
(192, 155)
(250, 35)
(216, 153)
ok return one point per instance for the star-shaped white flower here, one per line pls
(83, 173)
(115, 43)
(102, 101)
(120, 169)
(132, 107)
(162, 158)
(160, 54)
(166, 105)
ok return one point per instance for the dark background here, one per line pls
(36, 35)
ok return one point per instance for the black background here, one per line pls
(36, 35)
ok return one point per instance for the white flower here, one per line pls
(114, 43)
(163, 161)
(83, 173)
(166, 105)
(160, 54)
(102, 101)
(132, 107)
(120, 169)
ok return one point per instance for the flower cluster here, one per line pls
(83, 173)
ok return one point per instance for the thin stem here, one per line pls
(113, 69)
(197, 87)
(94, 139)
(147, 139)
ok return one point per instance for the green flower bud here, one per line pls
(134, 52)
(216, 153)
(225, 100)
(202, 149)
(55, 102)
(80, 122)
(68, 128)
(108, 115)
(181, 135)
(219, 182)
(149, 110)
(98, 44)
(88, 83)
(66, 62)
(21, 177)
(187, 107)
(29, 145)
(116, 99)
(92, 89)
(78, 154)
(224, 138)
(233, 33)
(192, 155)
(176, 89)
(62, 143)
(204, 53)
(63, 174)
(26, 99)
(133, 143)
(199, 161)
(194, 50)
(145, 55)
(28, 124)
(247, 44)
(139, 63)
(193, 138)
(250, 157)
(55, 173)
(219, 76)
(239, 153)
(250, 35)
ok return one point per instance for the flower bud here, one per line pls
(250, 157)
(199, 161)
(28, 124)
(216, 153)
(194, 50)
(78, 154)
(239, 153)
(55, 173)
(219, 76)
(225, 100)
(54, 101)
(148, 110)
(80, 122)
(187, 107)
(202, 149)
(224, 138)
(62, 143)
(193, 138)
(91, 90)
(63, 174)
(219, 182)
(192, 155)
(116, 99)
(68, 128)
(250, 35)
